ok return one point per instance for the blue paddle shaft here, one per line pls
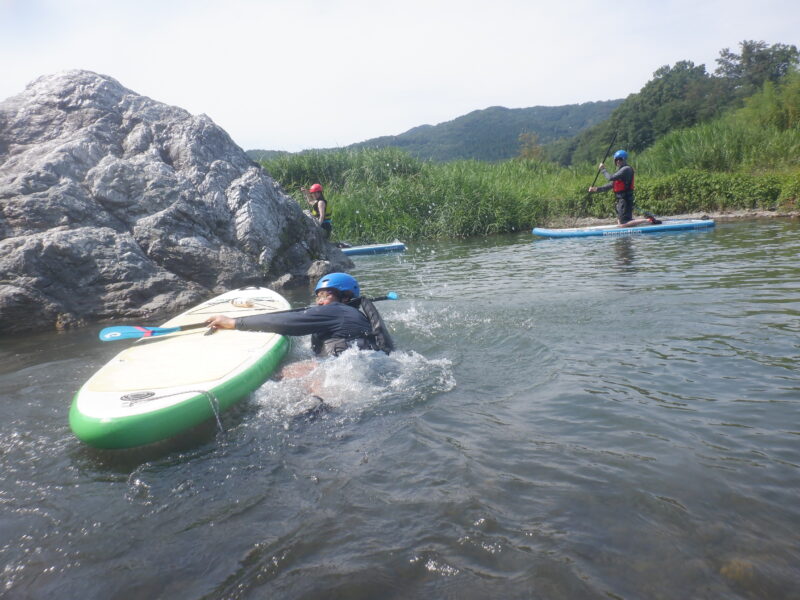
(132, 332)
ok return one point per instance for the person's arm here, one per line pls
(221, 322)
(602, 188)
(620, 174)
(334, 318)
(311, 320)
(623, 173)
(296, 323)
(606, 187)
(322, 206)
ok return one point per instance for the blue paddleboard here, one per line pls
(614, 230)
(375, 249)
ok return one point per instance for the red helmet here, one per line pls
(315, 188)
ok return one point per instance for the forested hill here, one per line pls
(494, 133)
(677, 97)
(490, 134)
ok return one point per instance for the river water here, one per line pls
(587, 418)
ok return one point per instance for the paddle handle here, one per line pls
(614, 139)
(388, 296)
(193, 326)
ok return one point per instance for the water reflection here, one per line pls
(624, 254)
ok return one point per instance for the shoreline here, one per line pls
(734, 215)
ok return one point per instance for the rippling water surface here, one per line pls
(583, 418)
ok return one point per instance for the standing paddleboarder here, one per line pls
(622, 184)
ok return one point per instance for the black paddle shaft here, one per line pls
(596, 175)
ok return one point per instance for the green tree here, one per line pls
(755, 64)
(775, 105)
(673, 99)
(529, 147)
(683, 95)
(678, 96)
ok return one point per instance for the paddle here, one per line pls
(134, 332)
(587, 195)
(614, 139)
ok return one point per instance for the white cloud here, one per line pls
(293, 74)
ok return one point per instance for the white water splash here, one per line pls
(355, 381)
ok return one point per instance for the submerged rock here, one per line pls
(115, 205)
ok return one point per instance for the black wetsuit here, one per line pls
(624, 197)
(333, 327)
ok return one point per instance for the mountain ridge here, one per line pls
(488, 134)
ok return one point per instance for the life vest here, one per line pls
(379, 338)
(328, 209)
(335, 346)
(619, 184)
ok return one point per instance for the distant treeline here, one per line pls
(744, 157)
(679, 97)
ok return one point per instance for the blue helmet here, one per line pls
(621, 154)
(339, 281)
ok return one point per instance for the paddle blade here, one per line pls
(133, 332)
(388, 296)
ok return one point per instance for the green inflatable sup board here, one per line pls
(176, 377)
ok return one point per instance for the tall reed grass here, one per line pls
(379, 195)
(382, 194)
(723, 145)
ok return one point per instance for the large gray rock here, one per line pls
(114, 205)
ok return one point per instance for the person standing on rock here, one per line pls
(320, 208)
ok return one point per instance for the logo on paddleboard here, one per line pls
(137, 397)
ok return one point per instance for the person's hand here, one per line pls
(221, 322)
(601, 167)
(592, 189)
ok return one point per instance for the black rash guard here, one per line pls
(335, 321)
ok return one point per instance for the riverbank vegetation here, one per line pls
(744, 157)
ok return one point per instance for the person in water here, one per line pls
(335, 323)
(320, 208)
(622, 184)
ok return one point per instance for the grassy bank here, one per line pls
(379, 195)
(747, 159)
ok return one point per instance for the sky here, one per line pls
(299, 74)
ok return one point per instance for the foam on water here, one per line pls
(353, 382)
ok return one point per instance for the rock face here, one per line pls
(114, 205)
